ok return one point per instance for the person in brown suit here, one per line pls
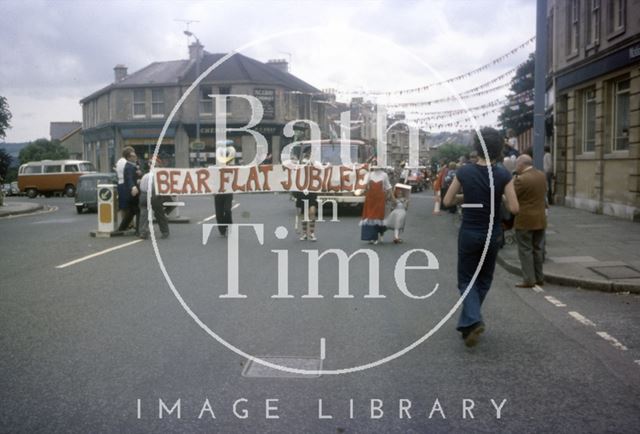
(530, 223)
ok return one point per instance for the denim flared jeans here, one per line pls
(471, 243)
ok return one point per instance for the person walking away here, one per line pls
(130, 193)
(146, 188)
(547, 164)
(473, 180)
(446, 183)
(530, 223)
(397, 218)
(377, 191)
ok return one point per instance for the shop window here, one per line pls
(157, 102)
(589, 120)
(620, 106)
(139, 103)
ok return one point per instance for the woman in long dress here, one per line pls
(372, 223)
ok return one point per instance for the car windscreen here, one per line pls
(87, 167)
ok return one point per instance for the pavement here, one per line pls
(11, 208)
(586, 250)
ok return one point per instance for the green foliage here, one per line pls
(5, 162)
(520, 117)
(452, 152)
(5, 117)
(43, 149)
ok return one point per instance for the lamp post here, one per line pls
(197, 142)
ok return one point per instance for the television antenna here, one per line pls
(187, 22)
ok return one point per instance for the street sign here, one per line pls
(197, 146)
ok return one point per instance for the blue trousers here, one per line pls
(470, 246)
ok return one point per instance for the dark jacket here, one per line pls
(531, 189)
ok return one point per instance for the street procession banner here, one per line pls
(261, 178)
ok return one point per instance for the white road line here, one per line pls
(211, 217)
(537, 288)
(322, 349)
(582, 319)
(616, 343)
(471, 205)
(637, 362)
(554, 301)
(173, 204)
(102, 252)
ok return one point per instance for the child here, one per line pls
(397, 217)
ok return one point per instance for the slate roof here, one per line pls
(58, 130)
(237, 69)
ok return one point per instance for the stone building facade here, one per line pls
(133, 109)
(594, 96)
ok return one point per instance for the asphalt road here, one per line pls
(102, 344)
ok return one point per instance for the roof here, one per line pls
(58, 130)
(236, 69)
(71, 133)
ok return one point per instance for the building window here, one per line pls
(574, 27)
(621, 115)
(226, 91)
(589, 120)
(139, 103)
(206, 102)
(616, 12)
(157, 102)
(593, 23)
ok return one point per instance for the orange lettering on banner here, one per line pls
(235, 186)
(174, 178)
(289, 182)
(253, 178)
(344, 178)
(224, 171)
(302, 186)
(188, 187)
(203, 177)
(330, 186)
(265, 169)
(315, 179)
(162, 181)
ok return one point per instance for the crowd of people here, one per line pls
(521, 193)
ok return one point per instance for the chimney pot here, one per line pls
(120, 72)
(280, 64)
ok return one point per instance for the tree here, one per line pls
(517, 115)
(43, 149)
(5, 162)
(451, 151)
(5, 117)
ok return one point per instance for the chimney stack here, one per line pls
(195, 50)
(279, 64)
(120, 72)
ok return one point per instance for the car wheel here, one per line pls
(79, 208)
(69, 190)
(32, 193)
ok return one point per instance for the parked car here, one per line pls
(87, 191)
(11, 189)
(52, 176)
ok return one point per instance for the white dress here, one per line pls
(398, 216)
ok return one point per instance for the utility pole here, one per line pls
(540, 84)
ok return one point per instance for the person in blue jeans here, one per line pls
(471, 186)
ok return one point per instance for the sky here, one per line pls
(54, 53)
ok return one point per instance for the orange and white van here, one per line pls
(52, 176)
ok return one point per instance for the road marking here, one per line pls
(211, 217)
(582, 319)
(554, 301)
(472, 205)
(173, 204)
(322, 349)
(637, 362)
(616, 343)
(537, 288)
(102, 252)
